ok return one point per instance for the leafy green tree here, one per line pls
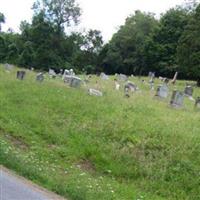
(189, 48)
(2, 19)
(165, 40)
(126, 50)
(59, 12)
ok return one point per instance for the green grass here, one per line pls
(104, 148)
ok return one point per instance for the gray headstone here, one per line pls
(197, 103)
(8, 67)
(40, 77)
(122, 77)
(21, 75)
(72, 81)
(130, 87)
(104, 76)
(188, 91)
(52, 73)
(75, 82)
(162, 91)
(177, 99)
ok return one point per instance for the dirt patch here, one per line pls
(86, 165)
(17, 141)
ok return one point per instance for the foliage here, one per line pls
(189, 48)
(125, 52)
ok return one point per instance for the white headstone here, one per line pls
(95, 92)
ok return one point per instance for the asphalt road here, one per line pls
(13, 187)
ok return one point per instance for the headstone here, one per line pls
(40, 77)
(95, 92)
(21, 75)
(8, 67)
(174, 79)
(177, 99)
(151, 85)
(75, 82)
(68, 73)
(126, 92)
(188, 91)
(122, 77)
(72, 81)
(162, 91)
(117, 85)
(104, 76)
(52, 73)
(197, 103)
(130, 87)
(67, 79)
(71, 71)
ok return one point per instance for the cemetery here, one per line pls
(87, 139)
(100, 100)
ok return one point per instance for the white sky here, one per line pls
(104, 15)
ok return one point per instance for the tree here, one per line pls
(2, 19)
(165, 40)
(59, 12)
(189, 48)
(125, 53)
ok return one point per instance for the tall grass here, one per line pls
(85, 147)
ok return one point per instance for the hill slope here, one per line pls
(85, 147)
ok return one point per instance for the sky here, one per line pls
(103, 15)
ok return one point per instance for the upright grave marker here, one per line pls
(162, 91)
(188, 91)
(175, 77)
(197, 103)
(177, 99)
(40, 77)
(21, 75)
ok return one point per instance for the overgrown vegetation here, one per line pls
(85, 147)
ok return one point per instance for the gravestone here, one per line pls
(122, 77)
(129, 86)
(174, 79)
(188, 91)
(197, 103)
(72, 81)
(75, 82)
(104, 76)
(162, 91)
(117, 85)
(40, 77)
(67, 79)
(151, 84)
(95, 92)
(8, 67)
(52, 73)
(126, 92)
(21, 75)
(177, 99)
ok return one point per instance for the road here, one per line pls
(13, 187)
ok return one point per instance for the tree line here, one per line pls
(144, 43)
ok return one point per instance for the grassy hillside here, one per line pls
(104, 148)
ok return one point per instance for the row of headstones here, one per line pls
(162, 90)
(21, 75)
(177, 96)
